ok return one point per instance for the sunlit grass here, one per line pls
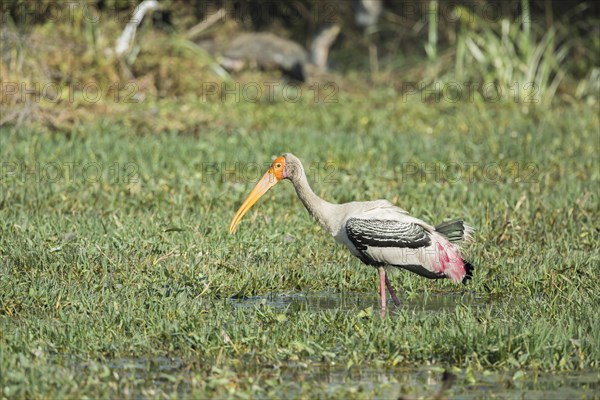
(128, 257)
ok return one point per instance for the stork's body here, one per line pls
(377, 232)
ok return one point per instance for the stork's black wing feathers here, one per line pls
(386, 233)
(454, 231)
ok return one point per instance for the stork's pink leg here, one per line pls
(392, 292)
(382, 294)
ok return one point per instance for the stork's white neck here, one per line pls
(323, 212)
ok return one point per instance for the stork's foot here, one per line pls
(392, 292)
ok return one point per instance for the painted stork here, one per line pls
(377, 232)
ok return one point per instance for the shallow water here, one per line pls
(319, 301)
(388, 383)
(425, 383)
(394, 383)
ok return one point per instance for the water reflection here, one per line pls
(352, 301)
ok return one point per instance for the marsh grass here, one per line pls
(135, 262)
(530, 60)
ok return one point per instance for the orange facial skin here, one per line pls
(278, 168)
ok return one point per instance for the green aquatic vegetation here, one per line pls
(118, 277)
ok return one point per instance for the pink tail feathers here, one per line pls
(447, 260)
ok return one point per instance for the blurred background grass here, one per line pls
(61, 55)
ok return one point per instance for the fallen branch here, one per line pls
(197, 29)
(125, 41)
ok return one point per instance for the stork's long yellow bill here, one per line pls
(270, 179)
(266, 182)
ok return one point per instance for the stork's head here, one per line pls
(286, 166)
